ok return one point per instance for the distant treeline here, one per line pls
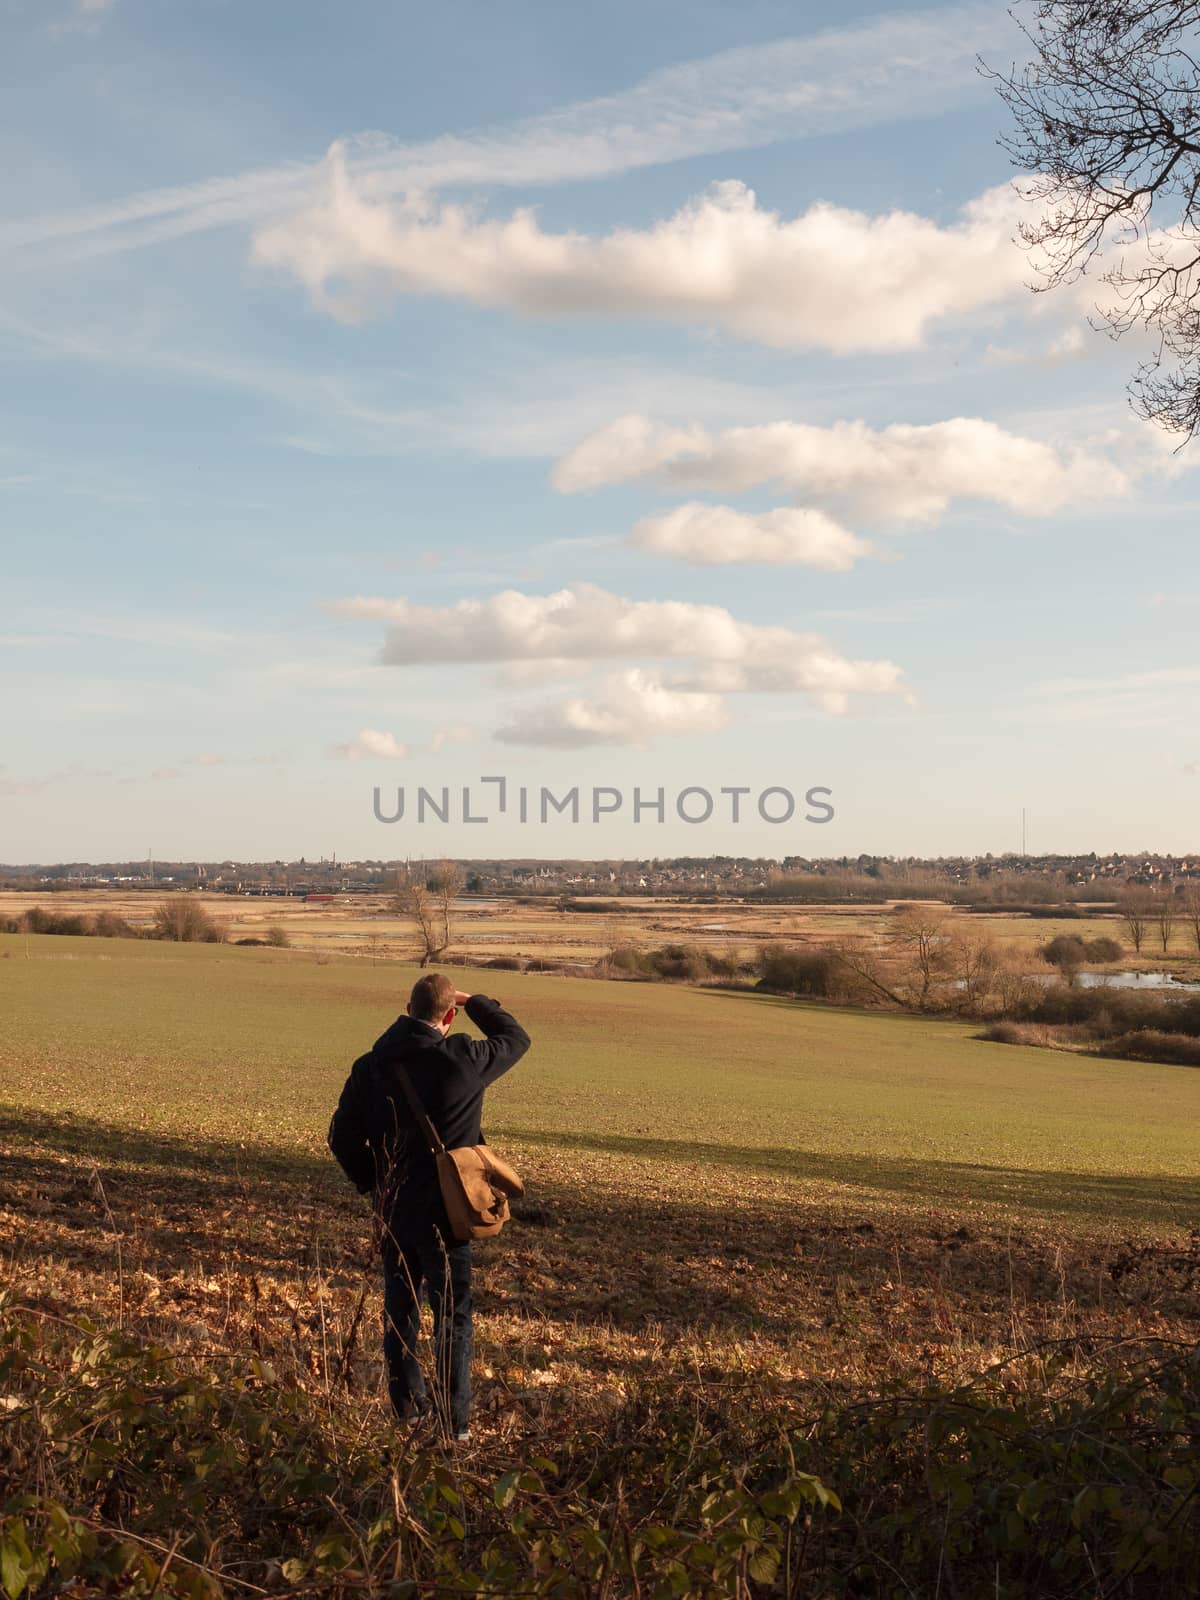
(1022, 892)
(1028, 893)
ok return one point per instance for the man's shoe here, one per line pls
(416, 1412)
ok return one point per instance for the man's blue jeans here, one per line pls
(418, 1260)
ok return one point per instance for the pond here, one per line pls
(1132, 980)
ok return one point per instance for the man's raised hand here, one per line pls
(460, 999)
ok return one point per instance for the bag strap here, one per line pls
(424, 1120)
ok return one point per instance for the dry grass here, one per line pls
(634, 1347)
(367, 927)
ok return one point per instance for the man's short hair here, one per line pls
(431, 997)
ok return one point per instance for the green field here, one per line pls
(250, 1047)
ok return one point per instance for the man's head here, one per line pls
(432, 1000)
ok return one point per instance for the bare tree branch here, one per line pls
(1107, 125)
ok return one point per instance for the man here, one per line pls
(378, 1144)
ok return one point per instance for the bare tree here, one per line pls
(922, 962)
(423, 910)
(1191, 912)
(1135, 913)
(975, 962)
(920, 936)
(1107, 118)
(428, 903)
(445, 882)
(1164, 917)
(859, 961)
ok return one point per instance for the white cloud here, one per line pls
(903, 473)
(371, 745)
(708, 535)
(586, 623)
(632, 708)
(884, 69)
(830, 278)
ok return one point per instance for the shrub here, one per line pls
(506, 964)
(1152, 1044)
(1065, 950)
(1110, 1011)
(629, 960)
(37, 920)
(1003, 1033)
(671, 963)
(1124, 1023)
(278, 937)
(186, 922)
(104, 925)
(679, 962)
(1072, 950)
(796, 969)
(1038, 1034)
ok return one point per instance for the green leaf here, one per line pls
(14, 1573)
(505, 1490)
(294, 1570)
(333, 1550)
(764, 1564)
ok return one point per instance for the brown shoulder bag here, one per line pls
(476, 1183)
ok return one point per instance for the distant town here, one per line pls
(1087, 876)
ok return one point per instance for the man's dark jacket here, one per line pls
(374, 1135)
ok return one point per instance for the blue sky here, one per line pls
(640, 395)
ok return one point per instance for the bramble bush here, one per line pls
(132, 1471)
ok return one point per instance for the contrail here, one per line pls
(890, 68)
